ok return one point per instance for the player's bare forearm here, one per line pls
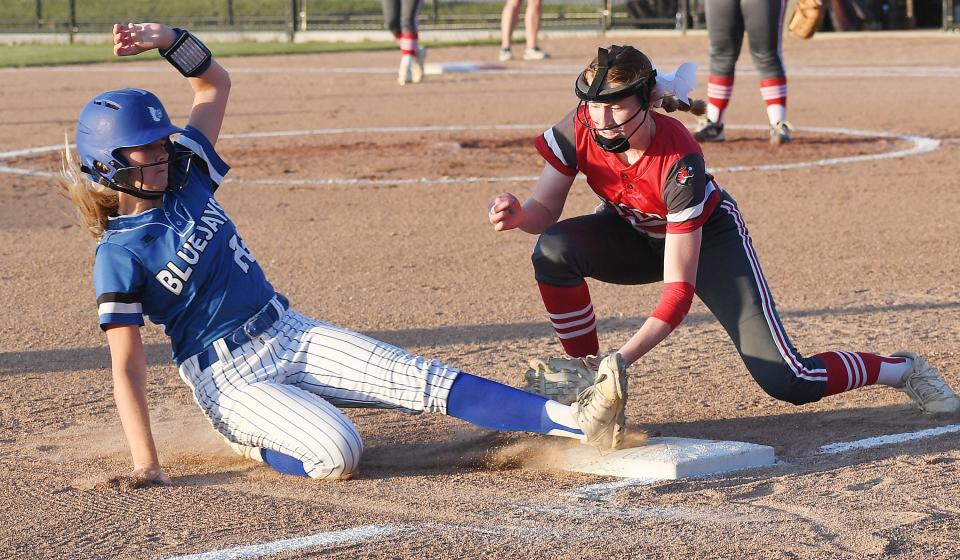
(650, 334)
(211, 92)
(129, 367)
(680, 264)
(537, 217)
(129, 392)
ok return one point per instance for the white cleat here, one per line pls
(927, 387)
(780, 133)
(535, 54)
(405, 75)
(416, 71)
(506, 55)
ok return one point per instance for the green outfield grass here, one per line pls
(48, 55)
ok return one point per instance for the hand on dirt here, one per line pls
(135, 38)
(151, 474)
(505, 212)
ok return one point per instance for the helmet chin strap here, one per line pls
(619, 144)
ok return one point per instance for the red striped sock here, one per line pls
(408, 43)
(774, 92)
(850, 370)
(719, 91)
(571, 313)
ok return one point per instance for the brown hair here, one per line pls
(633, 65)
(94, 202)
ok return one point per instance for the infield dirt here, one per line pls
(860, 256)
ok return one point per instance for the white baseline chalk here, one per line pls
(334, 538)
(877, 441)
(920, 145)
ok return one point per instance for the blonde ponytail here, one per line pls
(94, 203)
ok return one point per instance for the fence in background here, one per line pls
(291, 16)
(95, 16)
(951, 15)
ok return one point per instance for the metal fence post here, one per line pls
(436, 11)
(606, 19)
(292, 22)
(73, 19)
(230, 13)
(39, 4)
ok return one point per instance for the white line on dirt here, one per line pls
(920, 145)
(595, 492)
(867, 443)
(333, 538)
(666, 513)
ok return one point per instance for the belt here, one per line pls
(249, 330)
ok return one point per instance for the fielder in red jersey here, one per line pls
(664, 218)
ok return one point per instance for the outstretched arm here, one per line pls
(680, 260)
(129, 366)
(211, 88)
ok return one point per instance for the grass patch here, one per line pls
(55, 55)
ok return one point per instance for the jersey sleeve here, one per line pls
(687, 194)
(204, 156)
(118, 279)
(558, 145)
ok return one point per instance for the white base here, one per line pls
(668, 458)
(436, 68)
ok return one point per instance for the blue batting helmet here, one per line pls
(122, 118)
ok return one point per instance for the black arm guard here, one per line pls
(187, 54)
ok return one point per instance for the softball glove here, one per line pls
(561, 379)
(806, 19)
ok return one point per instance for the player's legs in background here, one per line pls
(410, 48)
(725, 30)
(532, 17)
(731, 283)
(402, 19)
(601, 246)
(508, 22)
(763, 20)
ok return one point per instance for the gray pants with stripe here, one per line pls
(400, 16)
(763, 22)
(729, 281)
(281, 390)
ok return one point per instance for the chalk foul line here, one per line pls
(919, 145)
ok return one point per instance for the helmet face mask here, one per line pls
(119, 119)
(592, 93)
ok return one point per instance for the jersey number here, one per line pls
(240, 252)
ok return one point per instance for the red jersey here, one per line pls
(666, 191)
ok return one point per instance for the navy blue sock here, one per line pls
(499, 407)
(283, 463)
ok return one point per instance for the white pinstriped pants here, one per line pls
(280, 390)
